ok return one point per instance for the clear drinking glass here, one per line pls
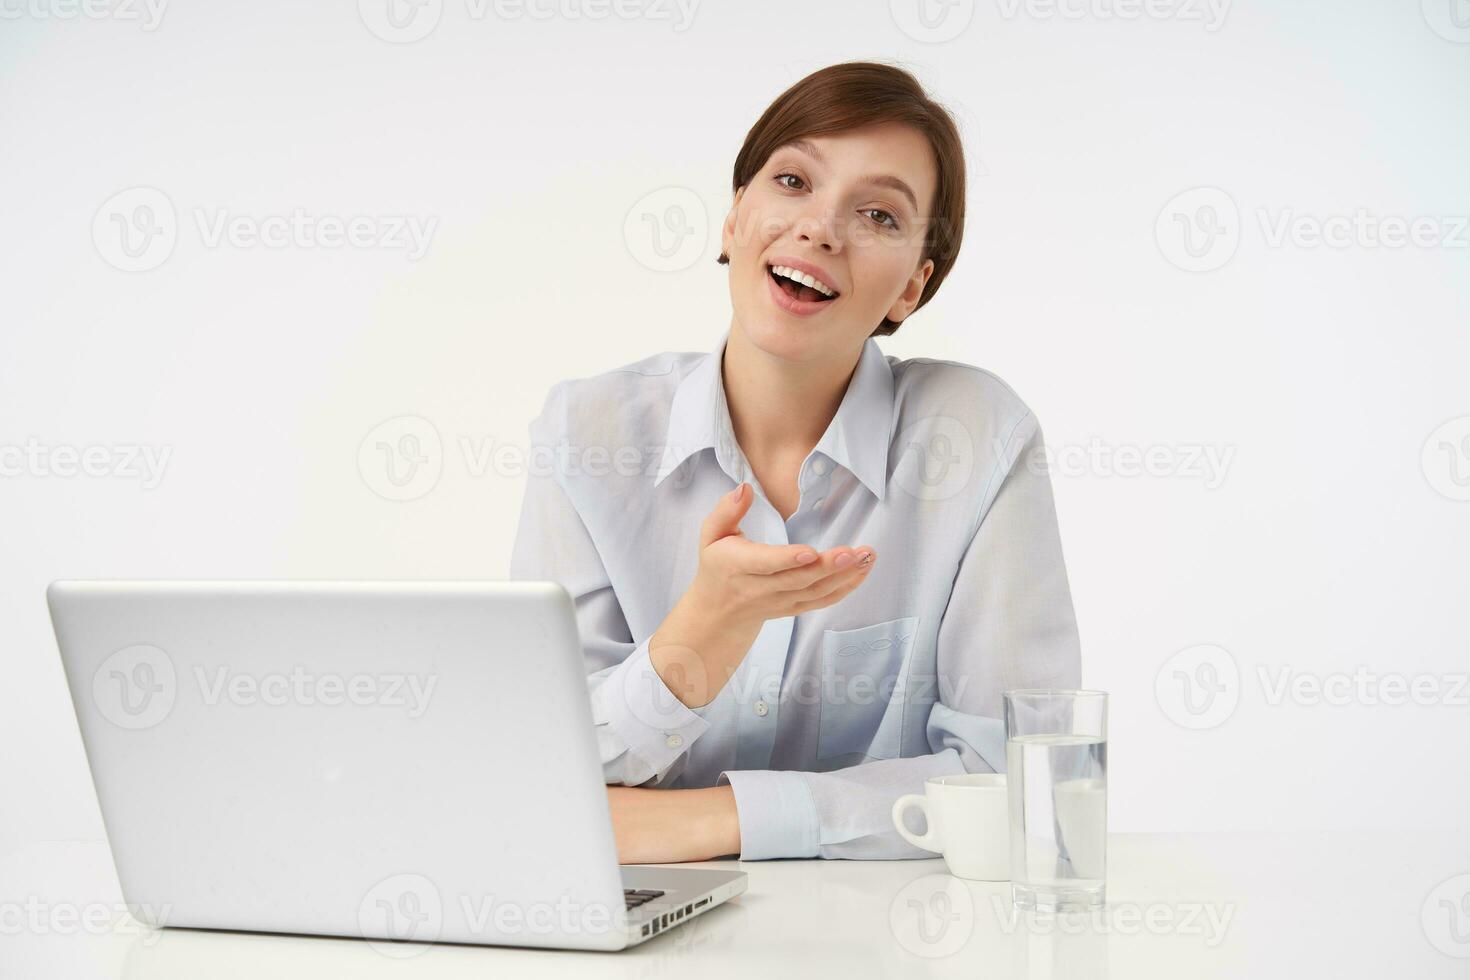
(1057, 783)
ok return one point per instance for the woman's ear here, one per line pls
(913, 290)
(727, 231)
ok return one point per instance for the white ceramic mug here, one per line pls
(968, 823)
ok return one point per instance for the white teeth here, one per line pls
(804, 279)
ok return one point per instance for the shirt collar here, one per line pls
(857, 438)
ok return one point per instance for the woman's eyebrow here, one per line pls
(882, 180)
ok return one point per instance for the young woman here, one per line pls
(805, 571)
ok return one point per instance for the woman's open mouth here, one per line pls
(797, 292)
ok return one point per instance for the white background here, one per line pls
(1330, 543)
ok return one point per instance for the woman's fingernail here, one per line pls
(843, 560)
(806, 557)
(735, 494)
(867, 558)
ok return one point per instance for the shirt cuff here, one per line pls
(778, 816)
(650, 719)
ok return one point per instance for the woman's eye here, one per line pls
(892, 222)
(884, 218)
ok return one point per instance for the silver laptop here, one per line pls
(397, 761)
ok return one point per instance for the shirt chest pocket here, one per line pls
(862, 688)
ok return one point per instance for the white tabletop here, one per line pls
(1381, 905)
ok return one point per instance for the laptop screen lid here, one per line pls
(394, 760)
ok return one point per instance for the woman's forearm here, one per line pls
(696, 651)
(658, 826)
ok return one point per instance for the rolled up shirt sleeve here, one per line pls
(643, 730)
(845, 813)
(1009, 623)
(777, 812)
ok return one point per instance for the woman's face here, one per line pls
(851, 209)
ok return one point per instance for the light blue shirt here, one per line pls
(835, 713)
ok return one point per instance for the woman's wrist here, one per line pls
(657, 826)
(718, 821)
(695, 650)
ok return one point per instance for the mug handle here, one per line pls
(927, 840)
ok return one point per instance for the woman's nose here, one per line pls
(821, 229)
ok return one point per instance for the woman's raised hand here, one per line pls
(739, 585)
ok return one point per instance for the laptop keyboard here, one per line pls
(634, 897)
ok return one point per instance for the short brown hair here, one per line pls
(863, 93)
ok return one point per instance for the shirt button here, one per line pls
(762, 709)
(674, 741)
